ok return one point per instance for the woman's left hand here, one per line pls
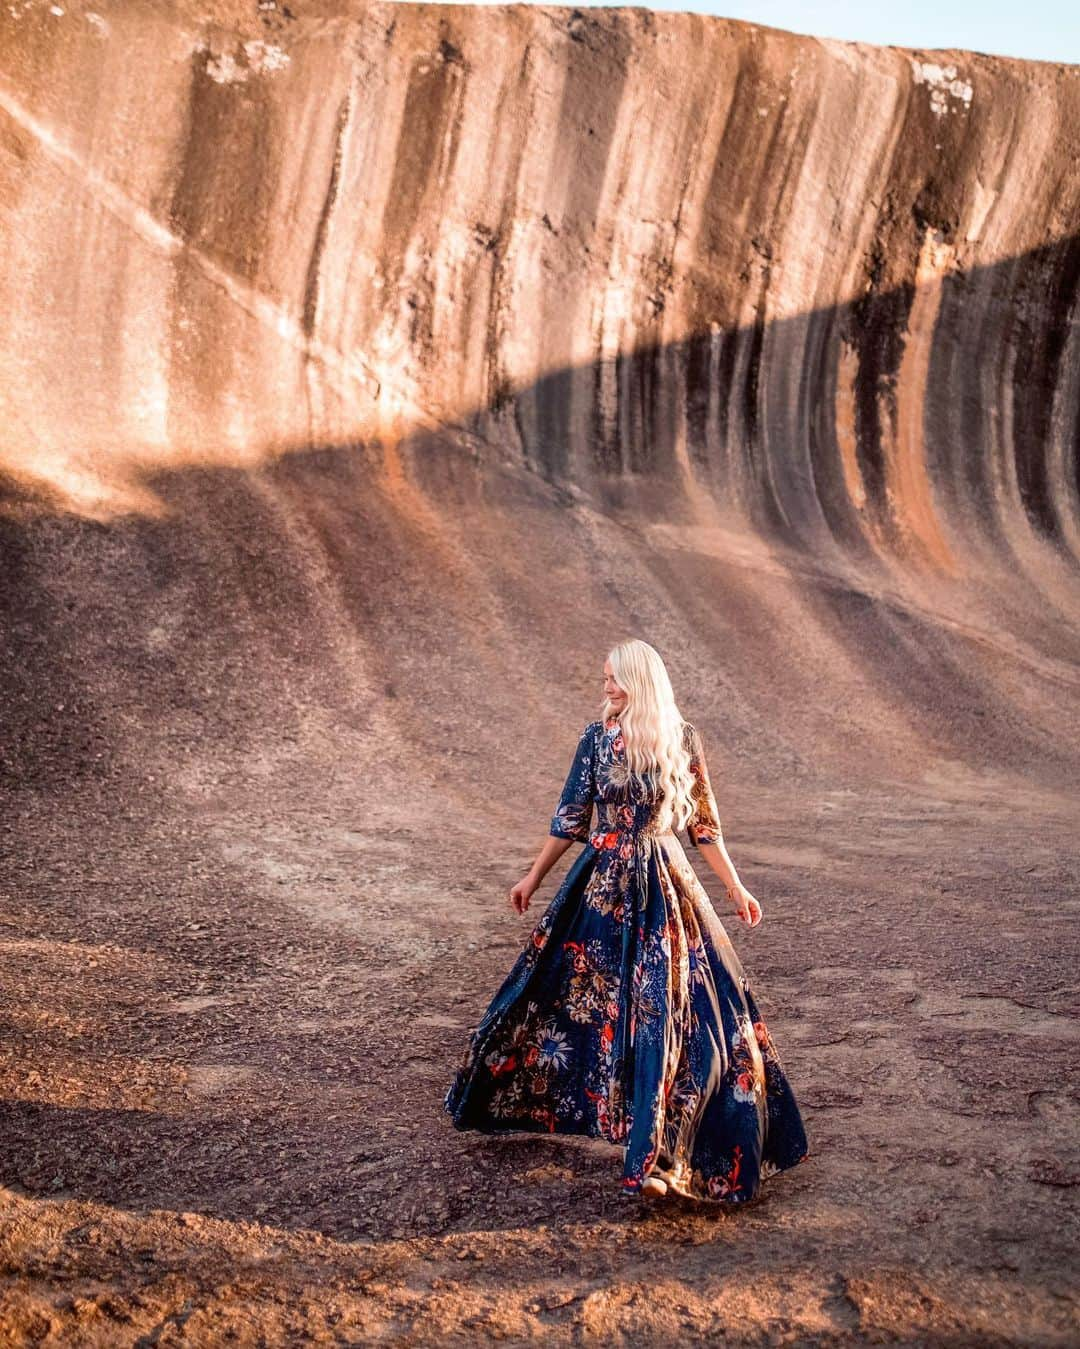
(746, 906)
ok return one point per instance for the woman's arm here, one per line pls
(569, 824)
(548, 855)
(707, 836)
(746, 906)
(718, 860)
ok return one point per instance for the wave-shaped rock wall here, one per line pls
(391, 357)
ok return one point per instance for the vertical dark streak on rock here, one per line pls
(543, 419)
(715, 237)
(587, 119)
(723, 252)
(768, 514)
(643, 381)
(725, 376)
(605, 442)
(311, 282)
(512, 110)
(224, 189)
(181, 213)
(699, 384)
(820, 341)
(878, 328)
(452, 56)
(586, 123)
(417, 163)
(1047, 302)
(969, 356)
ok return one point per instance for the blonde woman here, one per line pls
(627, 1015)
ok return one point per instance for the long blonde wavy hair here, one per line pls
(653, 732)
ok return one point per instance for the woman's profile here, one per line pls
(627, 1015)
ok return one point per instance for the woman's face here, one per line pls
(615, 695)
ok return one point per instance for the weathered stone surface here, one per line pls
(804, 312)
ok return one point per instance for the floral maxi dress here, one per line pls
(627, 1015)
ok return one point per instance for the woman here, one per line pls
(628, 1016)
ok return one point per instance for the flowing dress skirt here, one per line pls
(627, 1016)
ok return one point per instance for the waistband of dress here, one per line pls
(621, 836)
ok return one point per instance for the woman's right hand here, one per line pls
(746, 906)
(523, 892)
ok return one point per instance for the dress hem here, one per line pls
(633, 1192)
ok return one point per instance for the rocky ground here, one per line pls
(233, 1000)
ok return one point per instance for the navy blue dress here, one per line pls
(627, 1015)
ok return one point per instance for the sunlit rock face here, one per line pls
(375, 366)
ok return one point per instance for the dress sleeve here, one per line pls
(704, 825)
(574, 811)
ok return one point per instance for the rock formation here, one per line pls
(391, 335)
